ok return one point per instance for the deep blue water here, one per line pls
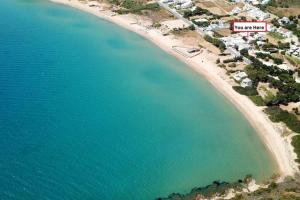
(86, 113)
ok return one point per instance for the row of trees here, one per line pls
(200, 11)
(215, 41)
(132, 6)
(276, 60)
(197, 11)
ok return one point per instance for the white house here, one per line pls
(265, 2)
(181, 1)
(260, 43)
(253, 2)
(247, 7)
(284, 21)
(238, 76)
(233, 40)
(260, 36)
(210, 33)
(236, 10)
(186, 5)
(167, 1)
(284, 67)
(201, 20)
(193, 8)
(244, 46)
(271, 28)
(246, 83)
(233, 52)
(297, 78)
(285, 32)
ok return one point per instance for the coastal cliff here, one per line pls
(288, 189)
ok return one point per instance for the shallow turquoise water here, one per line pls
(86, 114)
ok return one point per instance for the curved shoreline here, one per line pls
(204, 64)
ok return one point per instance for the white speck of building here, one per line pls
(238, 76)
(246, 83)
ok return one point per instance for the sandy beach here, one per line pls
(204, 63)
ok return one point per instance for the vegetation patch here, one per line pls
(258, 100)
(277, 61)
(131, 6)
(296, 144)
(288, 89)
(209, 191)
(276, 114)
(245, 91)
(276, 35)
(294, 61)
(215, 41)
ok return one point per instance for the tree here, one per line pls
(232, 65)
(192, 27)
(187, 14)
(244, 52)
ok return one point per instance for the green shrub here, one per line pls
(192, 27)
(296, 144)
(258, 100)
(276, 35)
(232, 65)
(245, 91)
(215, 41)
(276, 114)
(136, 7)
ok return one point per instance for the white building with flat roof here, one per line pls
(284, 21)
(285, 32)
(284, 67)
(238, 76)
(236, 10)
(246, 83)
(186, 5)
(265, 2)
(236, 41)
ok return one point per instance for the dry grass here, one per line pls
(291, 3)
(290, 107)
(272, 40)
(188, 37)
(210, 47)
(212, 7)
(266, 92)
(219, 7)
(191, 38)
(207, 4)
(285, 12)
(158, 16)
(224, 32)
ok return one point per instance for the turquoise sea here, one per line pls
(89, 111)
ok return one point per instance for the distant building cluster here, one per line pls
(252, 12)
(179, 4)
